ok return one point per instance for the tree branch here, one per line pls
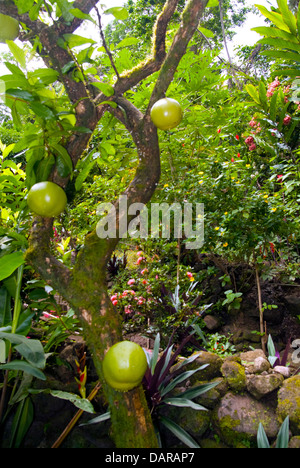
(190, 21)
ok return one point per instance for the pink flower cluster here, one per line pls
(272, 87)
(130, 294)
(287, 120)
(250, 143)
(255, 125)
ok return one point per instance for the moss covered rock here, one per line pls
(261, 385)
(237, 417)
(212, 370)
(289, 403)
(234, 374)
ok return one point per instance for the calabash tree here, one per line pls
(61, 106)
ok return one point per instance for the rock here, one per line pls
(234, 374)
(240, 336)
(294, 442)
(283, 370)
(211, 322)
(212, 444)
(261, 364)
(248, 360)
(261, 385)
(212, 397)
(289, 403)
(293, 304)
(212, 371)
(237, 417)
(195, 422)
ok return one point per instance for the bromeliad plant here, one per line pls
(163, 376)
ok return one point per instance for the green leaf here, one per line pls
(198, 390)
(18, 53)
(97, 420)
(42, 111)
(179, 432)
(180, 378)
(280, 43)
(120, 13)
(5, 306)
(292, 72)
(263, 95)
(206, 32)
(64, 8)
(262, 440)
(20, 94)
(31, 350)
(21, 422)
(252, 91)
(45, 76)
(9, 264)
(212, 3)
(276, 18)
(79, 14)
(73, 40)
(106, 89)
(283, 435)
(288, 16)
(275, 32)
(127, 42)
(2, 352)
(273, 106)
(155, 353)
(24, 6)
(82, 403)
(284, 54)
(83, 175)
(63, 160)
(184, 403)
(24, 367)
(35, 10)
(271, 347)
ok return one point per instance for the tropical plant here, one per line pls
(163, 376)
(282, 440)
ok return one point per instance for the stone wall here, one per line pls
(250, 391)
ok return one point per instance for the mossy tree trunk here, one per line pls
(84, 286)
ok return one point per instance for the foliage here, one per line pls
(282, 440)
(162, 378)
(219, 344)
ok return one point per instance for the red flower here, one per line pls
(219, 130)
(232, 159)
(279, 178)
(237, 137)
(238, 155)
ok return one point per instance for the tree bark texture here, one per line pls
(84, 286)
